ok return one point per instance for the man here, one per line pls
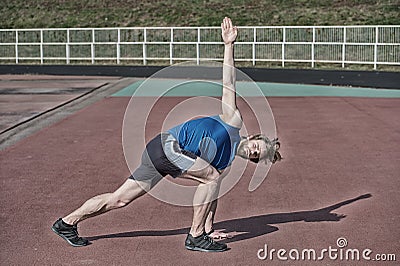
(199, 149)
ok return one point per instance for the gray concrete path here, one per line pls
(30, 102)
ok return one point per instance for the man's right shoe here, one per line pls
(69, 233)
(204, 243)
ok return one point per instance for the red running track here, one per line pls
(336, 152)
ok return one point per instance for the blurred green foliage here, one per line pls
(135, 13)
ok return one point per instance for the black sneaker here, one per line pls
(69, 233)
(204, 243)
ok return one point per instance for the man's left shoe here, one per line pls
(69, 233)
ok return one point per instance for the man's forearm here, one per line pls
(229, 75)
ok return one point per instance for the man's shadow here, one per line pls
(251, 227)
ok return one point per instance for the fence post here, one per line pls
(16, 46)
(254, 45)
(67, 48)
(144, 46)
(283, 46)
(376, 47)
(344, 46)
(92, 46)
(198, 47)
(313, 48)
(170, 46)
(41, 46)
(118, 46)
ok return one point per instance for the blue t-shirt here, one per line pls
(210, 138)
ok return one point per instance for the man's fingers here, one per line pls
(230, 23)
(227, 25)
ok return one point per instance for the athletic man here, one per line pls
(198, 149)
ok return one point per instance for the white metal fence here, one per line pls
(373, 45)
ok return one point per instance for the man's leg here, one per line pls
(210, 217)
(209, 226)
(205, 195)
(97, 205)
(67, 227)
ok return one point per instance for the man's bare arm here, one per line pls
(230, 113)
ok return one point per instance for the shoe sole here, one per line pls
(66, 239)
(206, 250)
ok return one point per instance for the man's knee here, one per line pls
(212, 174)
(120, 199)
(203, 172)
(126, 193)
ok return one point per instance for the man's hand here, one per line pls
(229, 32)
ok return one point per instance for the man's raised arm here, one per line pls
(230, 113)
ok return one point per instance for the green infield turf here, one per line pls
(174, 88)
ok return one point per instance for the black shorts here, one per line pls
(162, 157)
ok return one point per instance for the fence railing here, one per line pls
(372, 45)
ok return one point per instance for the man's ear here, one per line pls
(277, 146)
